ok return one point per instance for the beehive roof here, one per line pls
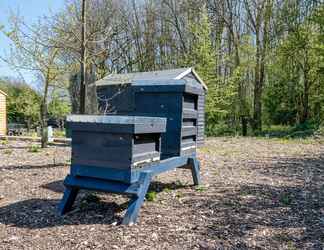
(161, 75)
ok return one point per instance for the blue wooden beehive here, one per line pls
(155, 122)
(114, 147)
(178, 95)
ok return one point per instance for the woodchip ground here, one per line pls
(256, 194)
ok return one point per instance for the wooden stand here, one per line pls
(136, 189)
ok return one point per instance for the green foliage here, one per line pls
(59, 133)
(8, 151)
(295, 83)
(58, 108)
(203, 57)
(4, 141)
(34, 149)
(201, 188)
(302, 130)
(286, 199)
(219, 129)
(22, 102)
(151, 196)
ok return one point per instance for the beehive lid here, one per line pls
(157, 76)
(116, 123)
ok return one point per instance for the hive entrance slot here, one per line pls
(146, 149)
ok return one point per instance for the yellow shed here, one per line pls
(3, 113)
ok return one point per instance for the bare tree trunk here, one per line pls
(83, 59)
(43, 114)
(305, 112)
(257, 105)
(262, 41)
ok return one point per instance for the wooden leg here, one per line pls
(137, 201)
(68, 199)
(195, 170)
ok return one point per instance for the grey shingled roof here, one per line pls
(151, 75)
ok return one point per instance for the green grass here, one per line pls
(34, 149)
(151, 196)
(286, 199)
(298, 131)
(200, 188)
(7, 152)
(4, 142)
(59, 133)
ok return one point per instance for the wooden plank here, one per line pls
(186, 131)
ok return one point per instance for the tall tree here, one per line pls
(259, 16)
(31, 51)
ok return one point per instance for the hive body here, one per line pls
(181, 101)
(150, 123)
(114, 144)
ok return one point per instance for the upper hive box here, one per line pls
(177, 94)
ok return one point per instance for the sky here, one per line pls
(30, 10)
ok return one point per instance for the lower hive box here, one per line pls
(114, 147)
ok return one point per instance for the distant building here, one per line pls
(3, 113)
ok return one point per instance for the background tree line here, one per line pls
(261, 59)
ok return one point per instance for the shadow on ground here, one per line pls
(271, 214)
(30, 167)
(42, 213)
(292, 215)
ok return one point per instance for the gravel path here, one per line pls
(256, 194)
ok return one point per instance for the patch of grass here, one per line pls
(34, 149)
(200, 188)
(59, 133)
(8, 151)
(4, 142)
(285, 199)
(178, 183)
(31, 134)
(220, 129)
(151, 196)
(179, 195)
(291, 245)
(167, 190)
(299, 131)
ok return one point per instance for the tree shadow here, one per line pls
(271, 214)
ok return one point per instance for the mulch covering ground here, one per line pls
(256, 194)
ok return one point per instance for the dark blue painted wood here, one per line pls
(137, 189)
(68, 199)
(118, 142)
(123, 175)
(101, 185)
(195, 170)
(137, 201)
